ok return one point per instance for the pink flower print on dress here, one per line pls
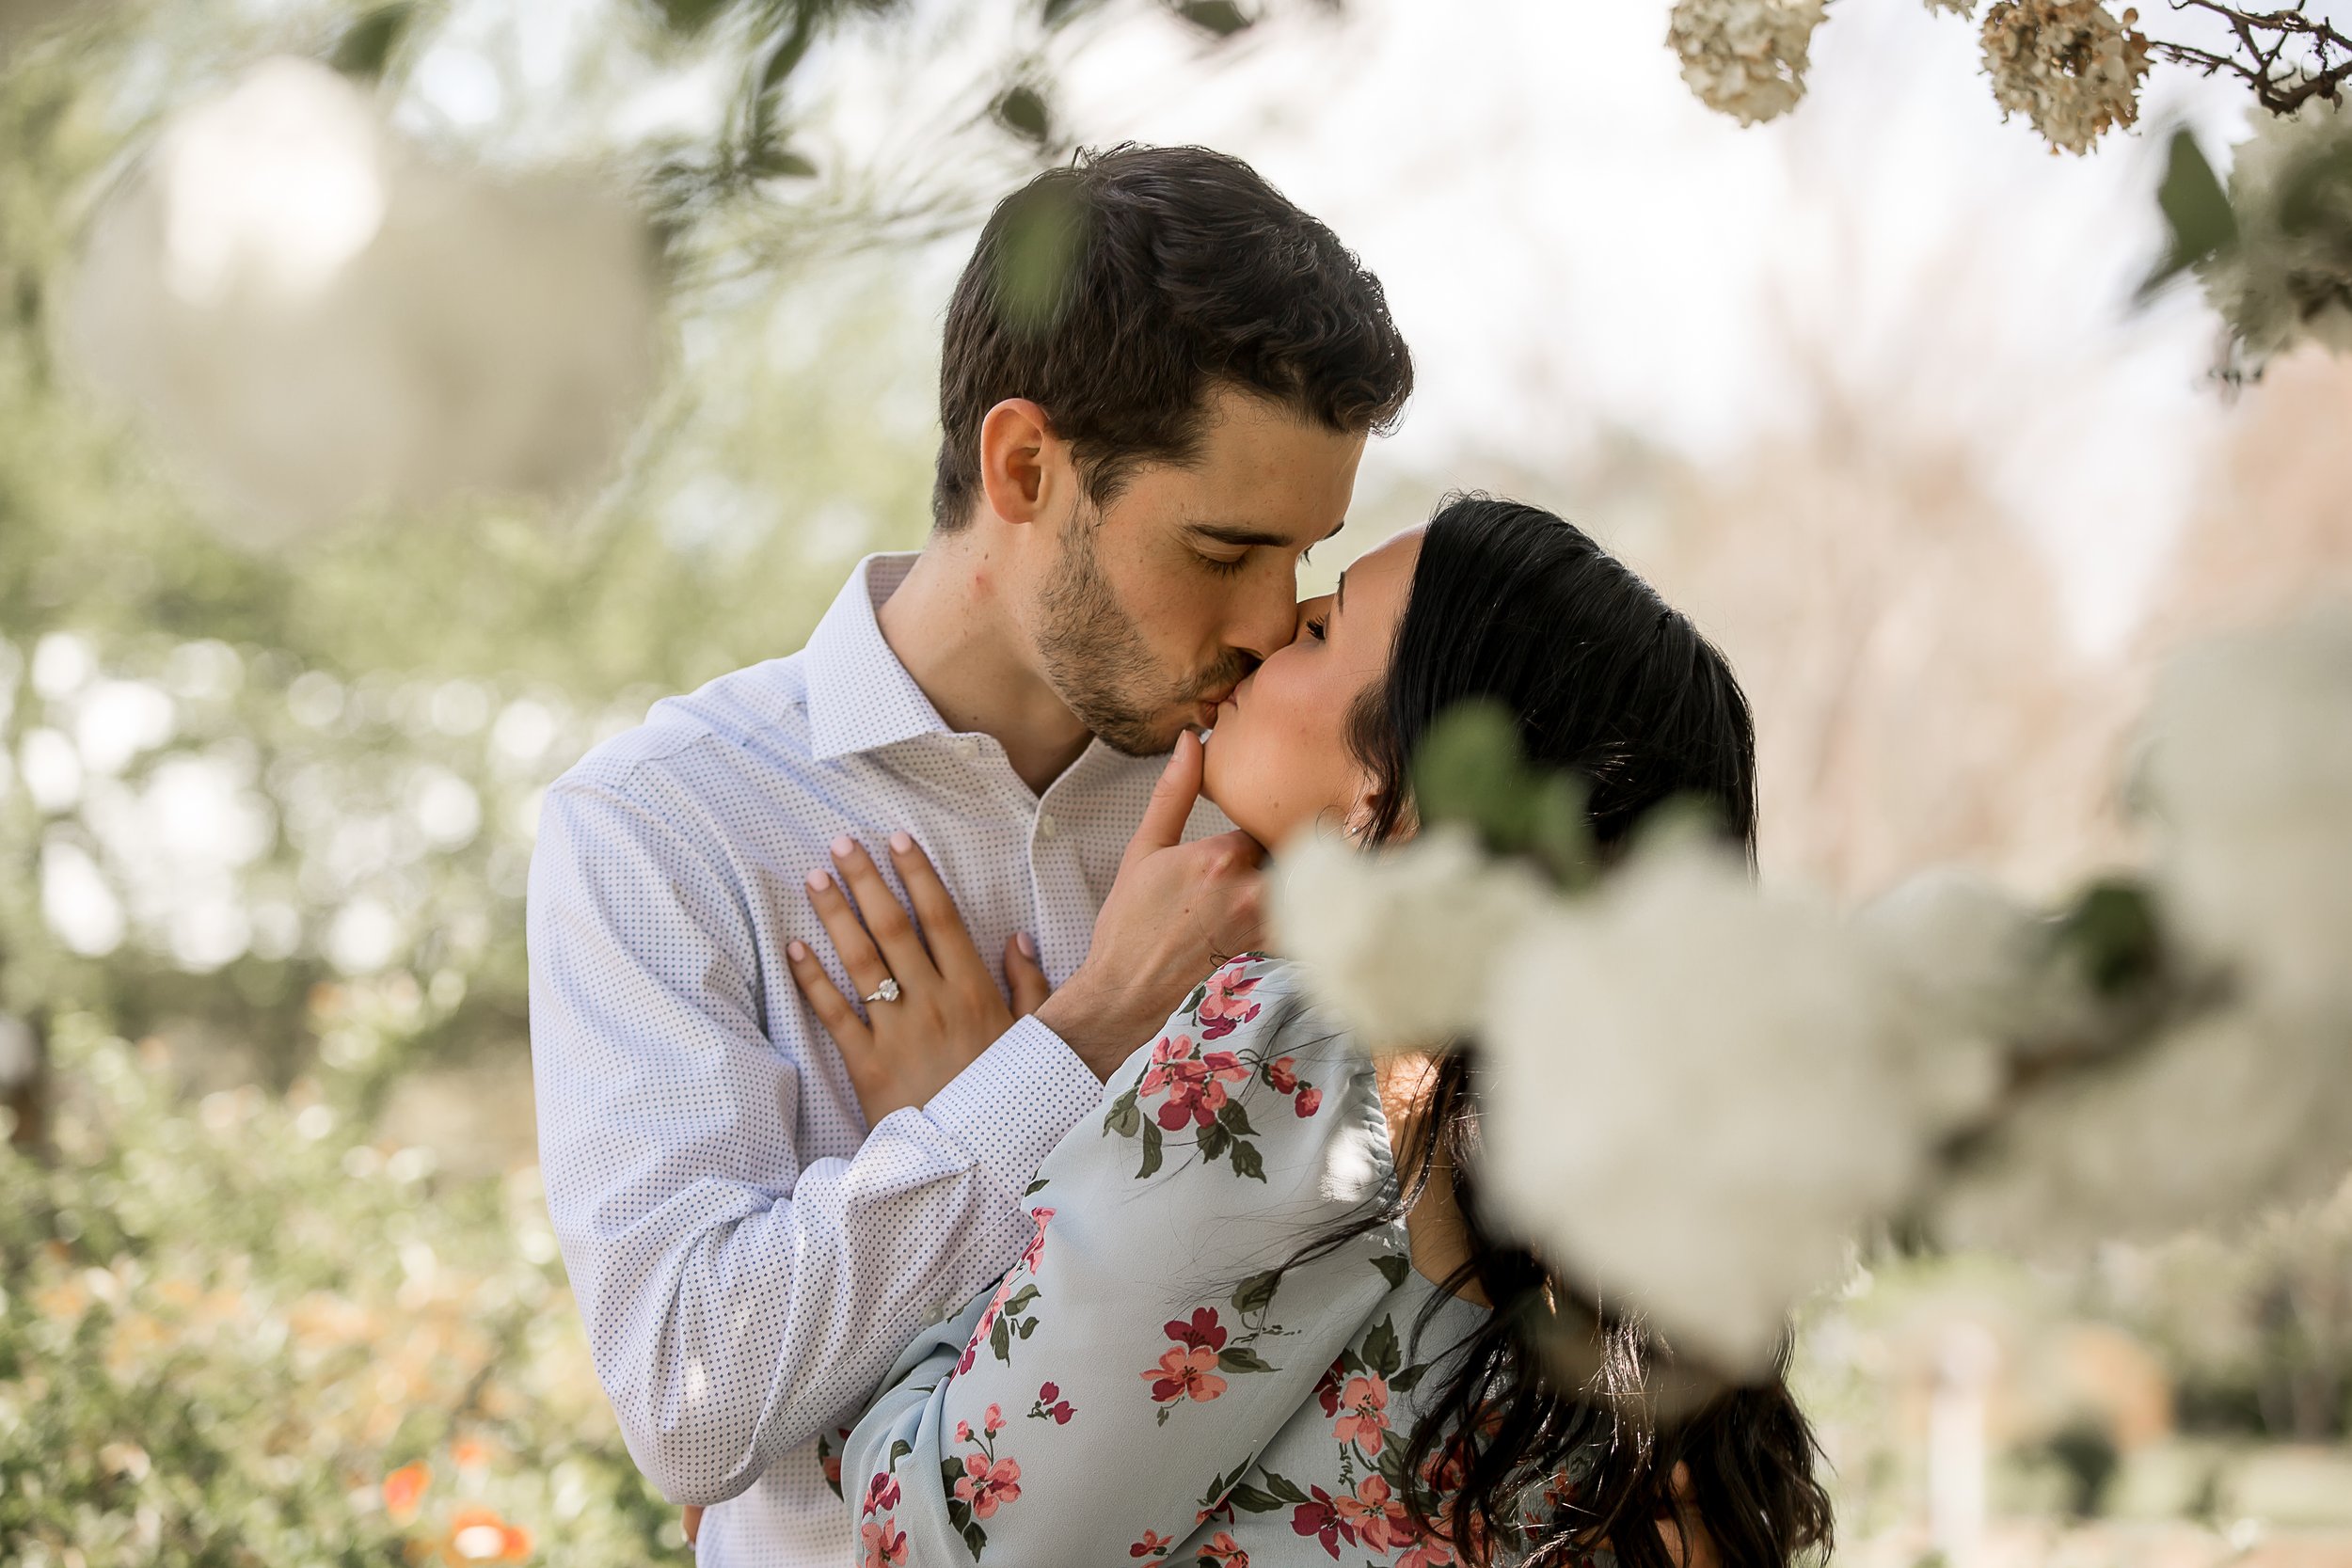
(1225, 1004)
(1153, 1545)
(988, 1484)
(1283, 1073)
(1222, 1551)
(1378, 1515)
(886, 1545)
(1036, 1249)
(1196, 1090)
(881, 1494)
(1365, 1404)
(1308, 1103)
(1188, 1369)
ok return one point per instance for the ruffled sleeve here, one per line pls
(1159, 1329)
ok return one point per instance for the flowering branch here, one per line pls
(2267, 58)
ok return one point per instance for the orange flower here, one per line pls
(404, 1489)
(469, 1453)
(478, 1535)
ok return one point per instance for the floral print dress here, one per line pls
(1149, 1385)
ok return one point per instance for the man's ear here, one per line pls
(1024, 465)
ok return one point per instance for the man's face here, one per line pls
(1158, 603)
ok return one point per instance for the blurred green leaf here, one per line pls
(2195, 209)
(780, 163)
(1021, 110)
(1470, 769)
(2112, 932)
(1054, 13)
(1044, 238)
(1217, 18)
(688, 17)
(366, 45)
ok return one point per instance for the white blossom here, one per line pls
(1399, 943)
(1978, 961)
(2249, 771)
(1746, 58)
(2211, 1125)
(2289, 275)
(314, 318)
(1701, 1093)
(2071, 67)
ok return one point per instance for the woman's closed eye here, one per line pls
(1314, 627)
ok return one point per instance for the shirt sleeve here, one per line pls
(1162, 1325)
(738, 1301)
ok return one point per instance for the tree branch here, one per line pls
(2287, 58)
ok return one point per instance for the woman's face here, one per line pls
(1277, 759)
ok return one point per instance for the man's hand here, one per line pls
(1176, 912)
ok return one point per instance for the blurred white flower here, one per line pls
(63, 663)
(2290, 275)
(52, 769)
(1400, 942)
(1746, 58)
(77, 902)
(1700, 1093)
(364, 936)
(2218, 1121)
(1978, 961)
(315, 319)
(2071, 67)
(445, 806)
(115, 720)
(2249, 771)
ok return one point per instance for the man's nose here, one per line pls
(1269, 622)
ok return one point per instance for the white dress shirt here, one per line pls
(748, 1256)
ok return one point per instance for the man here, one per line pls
(1157, 378)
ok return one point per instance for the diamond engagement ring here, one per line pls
(886, 991)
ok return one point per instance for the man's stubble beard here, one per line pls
(1097, 661)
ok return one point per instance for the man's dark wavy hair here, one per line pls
(1117, 291)
(1609, 683)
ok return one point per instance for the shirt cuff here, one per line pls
(1016, 1100)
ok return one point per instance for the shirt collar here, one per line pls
(860, 697)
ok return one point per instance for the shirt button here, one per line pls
(1044, 824)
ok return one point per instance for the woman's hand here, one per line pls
(947, 1010)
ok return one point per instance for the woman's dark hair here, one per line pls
(1608, 682)
(1117, 292)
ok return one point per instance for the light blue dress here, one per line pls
(1149, 1385)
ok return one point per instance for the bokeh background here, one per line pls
(1867, 389)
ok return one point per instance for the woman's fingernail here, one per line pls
(902, 842)
(798, 949)
(1028, 948)
(841, 847)
(817, 880)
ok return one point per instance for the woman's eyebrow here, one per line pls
(1339, 599)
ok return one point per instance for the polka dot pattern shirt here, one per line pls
(749, 1256)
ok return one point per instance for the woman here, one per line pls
(1257, 1323)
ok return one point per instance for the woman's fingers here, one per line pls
(1025, 978)
(893, 931)
(943, 931)
(825, 1000)
(859, 957)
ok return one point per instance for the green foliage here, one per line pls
(1470, 769)
(2112, 935)
(225, 1326)
(1044, 236)
(2195, 210)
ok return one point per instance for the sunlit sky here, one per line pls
(1577, 247)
